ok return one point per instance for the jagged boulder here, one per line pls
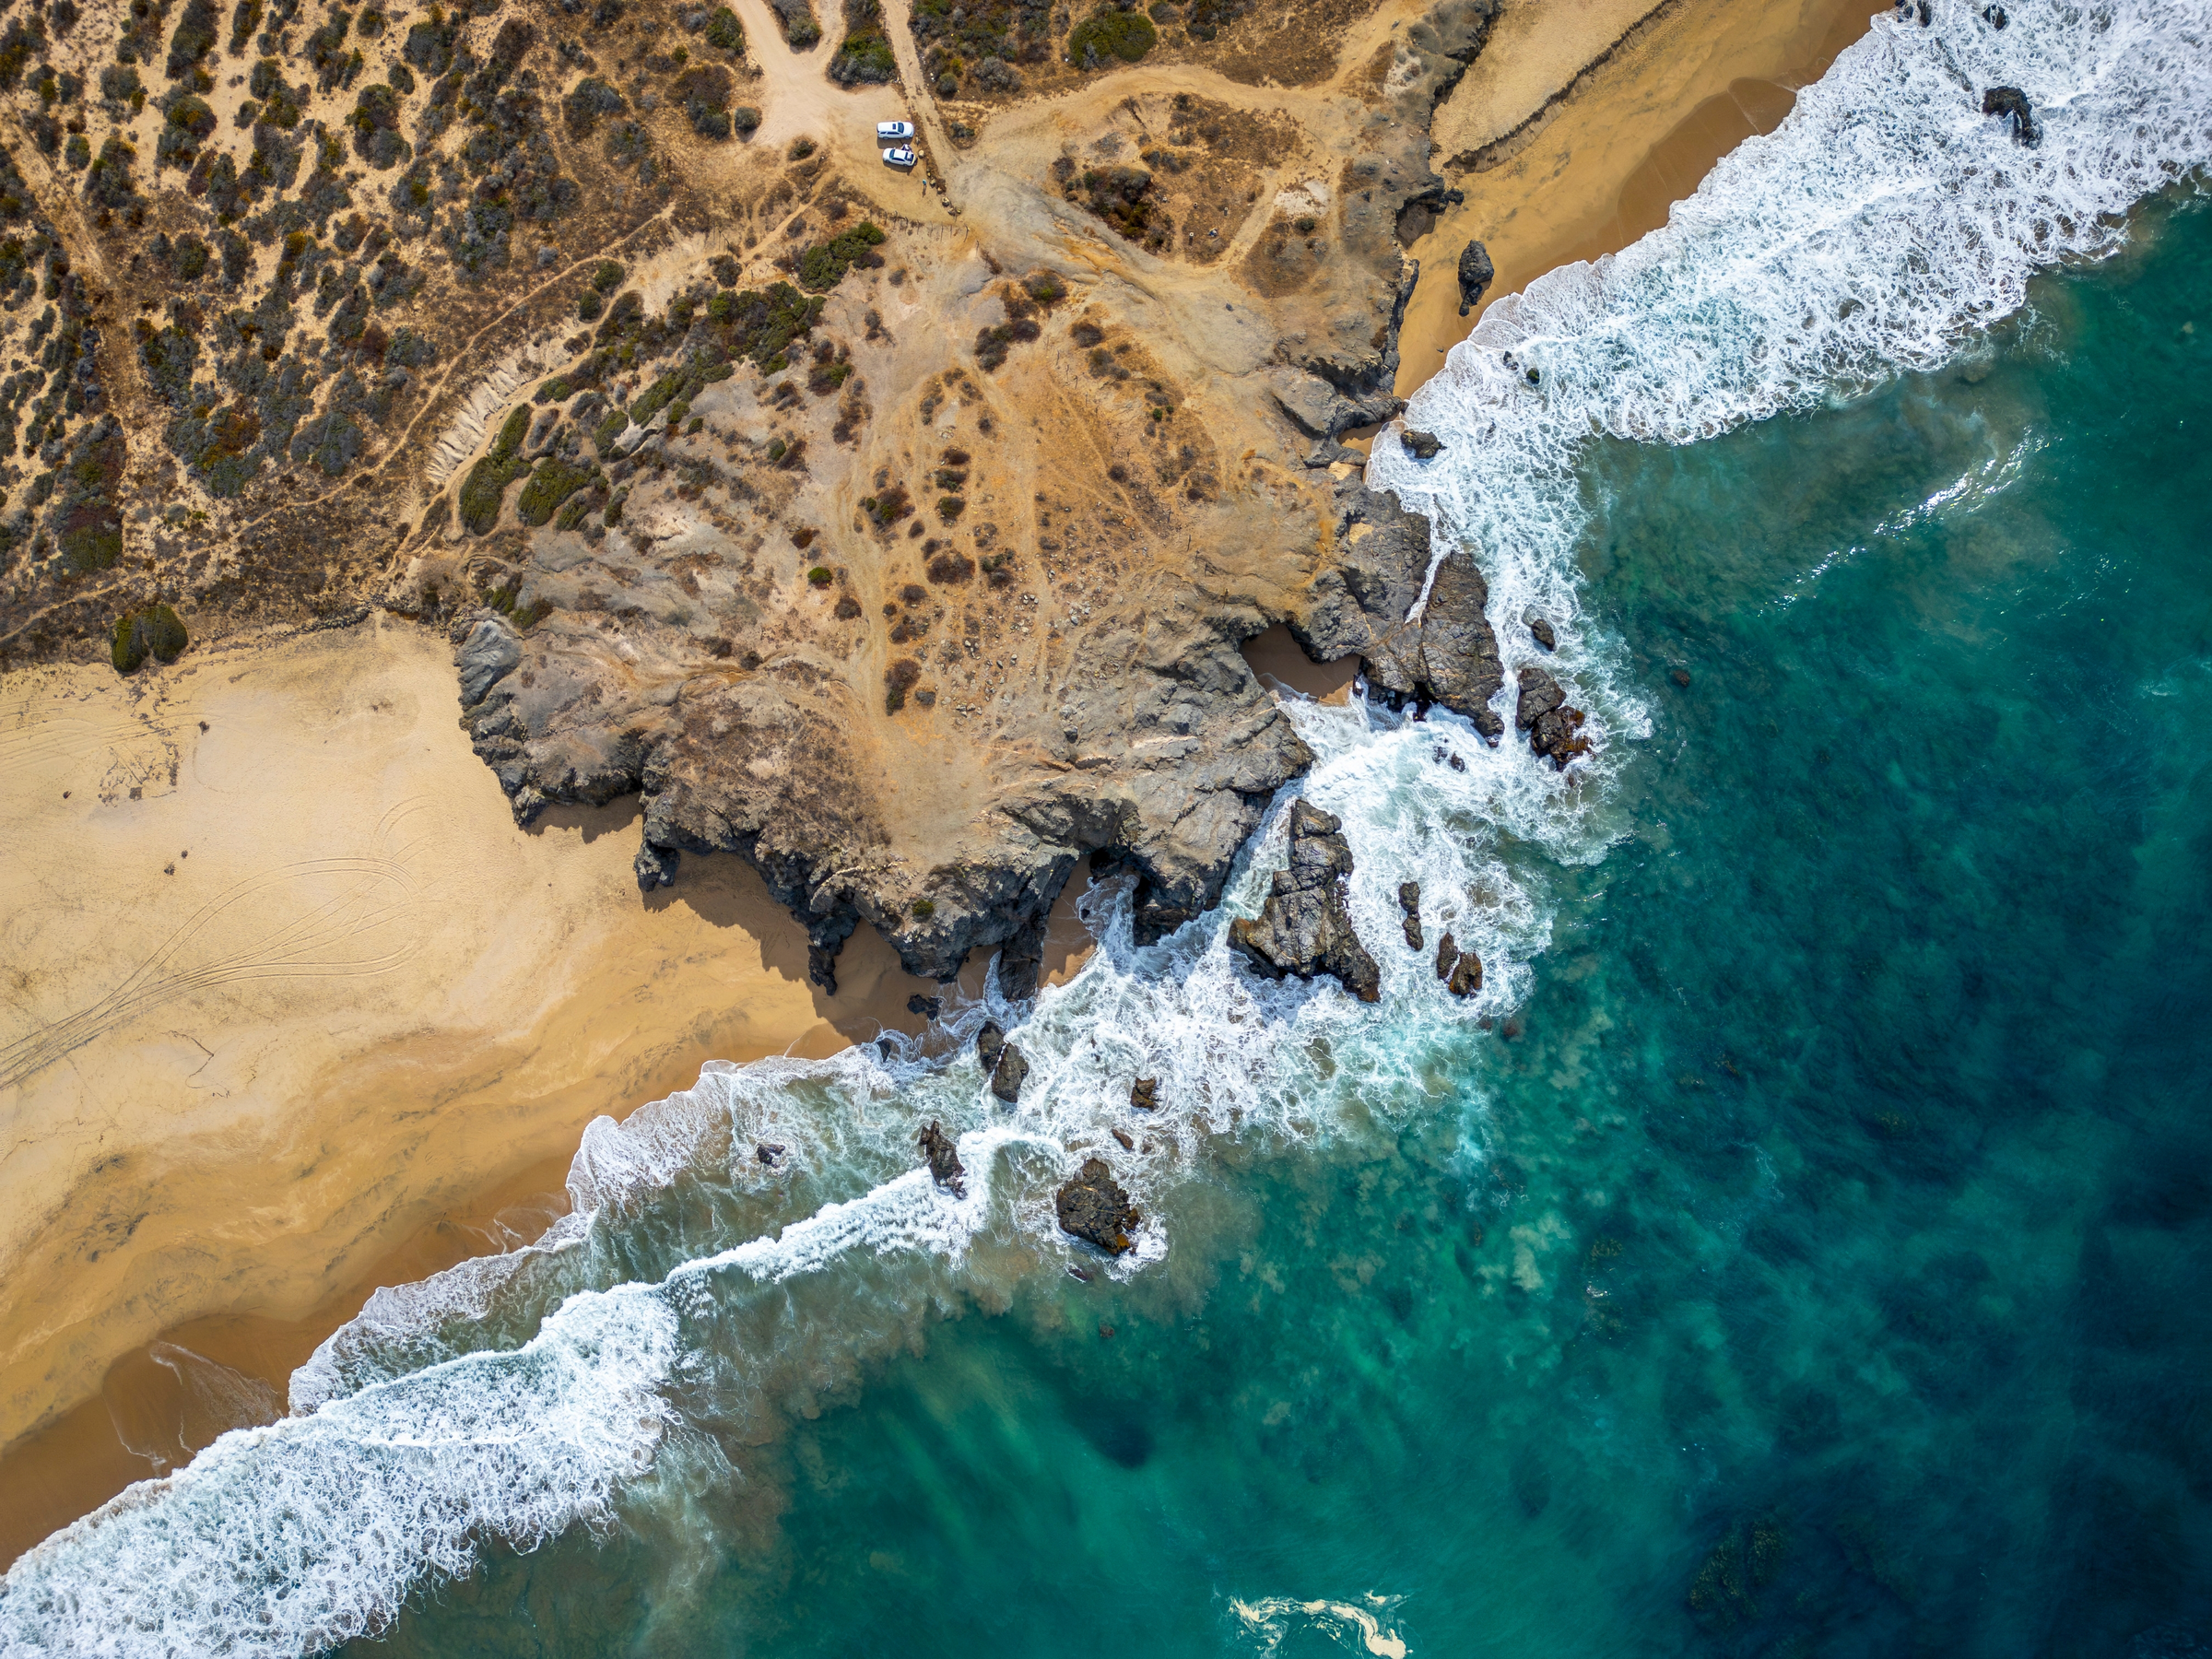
(1554, 729)
(1094, 1208)
(1460, 969)
(1475, 274)
(990, 1042)
(1540, 632)
(2010, 104)
(1305, 927)
(1143, 1094)
(1409, 900)
(1421, 446)
(1359, 606)
(944, 1159)
(1007, 1072)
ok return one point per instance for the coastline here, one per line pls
(384, 1116)
(376, 1016)
(1580, 170)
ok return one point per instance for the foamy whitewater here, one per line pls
(694, 1296)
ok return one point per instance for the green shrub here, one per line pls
(554, 482)
(824, 265)
(820, 576)
(923, 910)
(608, 276)
(486, 485)
(863, 59)
(612, 428)
(153, 631)
(1107, 33)
(589, 305)
(724, 33)
(745, 119)
(950, 508)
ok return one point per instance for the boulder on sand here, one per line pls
(1475, 274)
(1094, 1208)
(1304, 928)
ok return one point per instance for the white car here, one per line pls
(887, 130)
(901, 157)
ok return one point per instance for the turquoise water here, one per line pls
(1818, 1269)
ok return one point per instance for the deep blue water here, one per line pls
(1814, 1265)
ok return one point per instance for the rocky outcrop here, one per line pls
(1143, 1094)
(1421, 446)
(990, 1042)
(1093, 1207)
(1409, 900)
(1540, 630)
(1007, 1074)
(944, 1159)
(1554, 729)
(2010, 104)
(1476, 273)
(1304, 928)
(1460, 969)
(1359, 606)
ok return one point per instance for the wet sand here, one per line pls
(1561, 163)
(292, 1009)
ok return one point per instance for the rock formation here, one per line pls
(1409, 900)
(1360, 603)
(1421, 446)
(1554, 729)
(944, 1159)
(990, 1042)
(1304, 928)
(1540, 632)
(2011, 105)
(1475, 274)
(1094, 1208)
(1008, 1072)
(1143, 1094)
(1460, 969)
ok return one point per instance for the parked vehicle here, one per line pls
(903, 157)
(889, 130)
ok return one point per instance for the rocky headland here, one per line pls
(895, 534)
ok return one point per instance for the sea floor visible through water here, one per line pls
(1812, 1265)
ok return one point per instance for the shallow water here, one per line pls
(1818, 1269)
(1794, 1250)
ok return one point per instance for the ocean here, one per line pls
(1794, 1248)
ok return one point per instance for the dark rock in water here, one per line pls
(1540, 630)
(1539, 695)
(944, 1159)
(1455, 763)
(1475, 274)
(1557, 735)
(767, 1152)
(1360, 601)
(1305, 927)
(1143, 1094)
(1409, 900)
(989, 1042)
(1554, 730)
(1680, 677)
(928, 1006)
(1994, 16)
(2012, 104)
(1460, 969)
(1007, 1075)
(1094, 1208)
(1080, 1273)
(1123, 1135)
(1421, 446)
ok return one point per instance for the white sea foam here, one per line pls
(519, 1395)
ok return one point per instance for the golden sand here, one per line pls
(292, 1009)
(1575, 162)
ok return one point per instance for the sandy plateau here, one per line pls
(462, 470)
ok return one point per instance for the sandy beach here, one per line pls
(292, 1007)
(1585, 120)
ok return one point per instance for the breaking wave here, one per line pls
(517, 1397)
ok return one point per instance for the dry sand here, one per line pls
(292, 1008)
(1575, 162)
